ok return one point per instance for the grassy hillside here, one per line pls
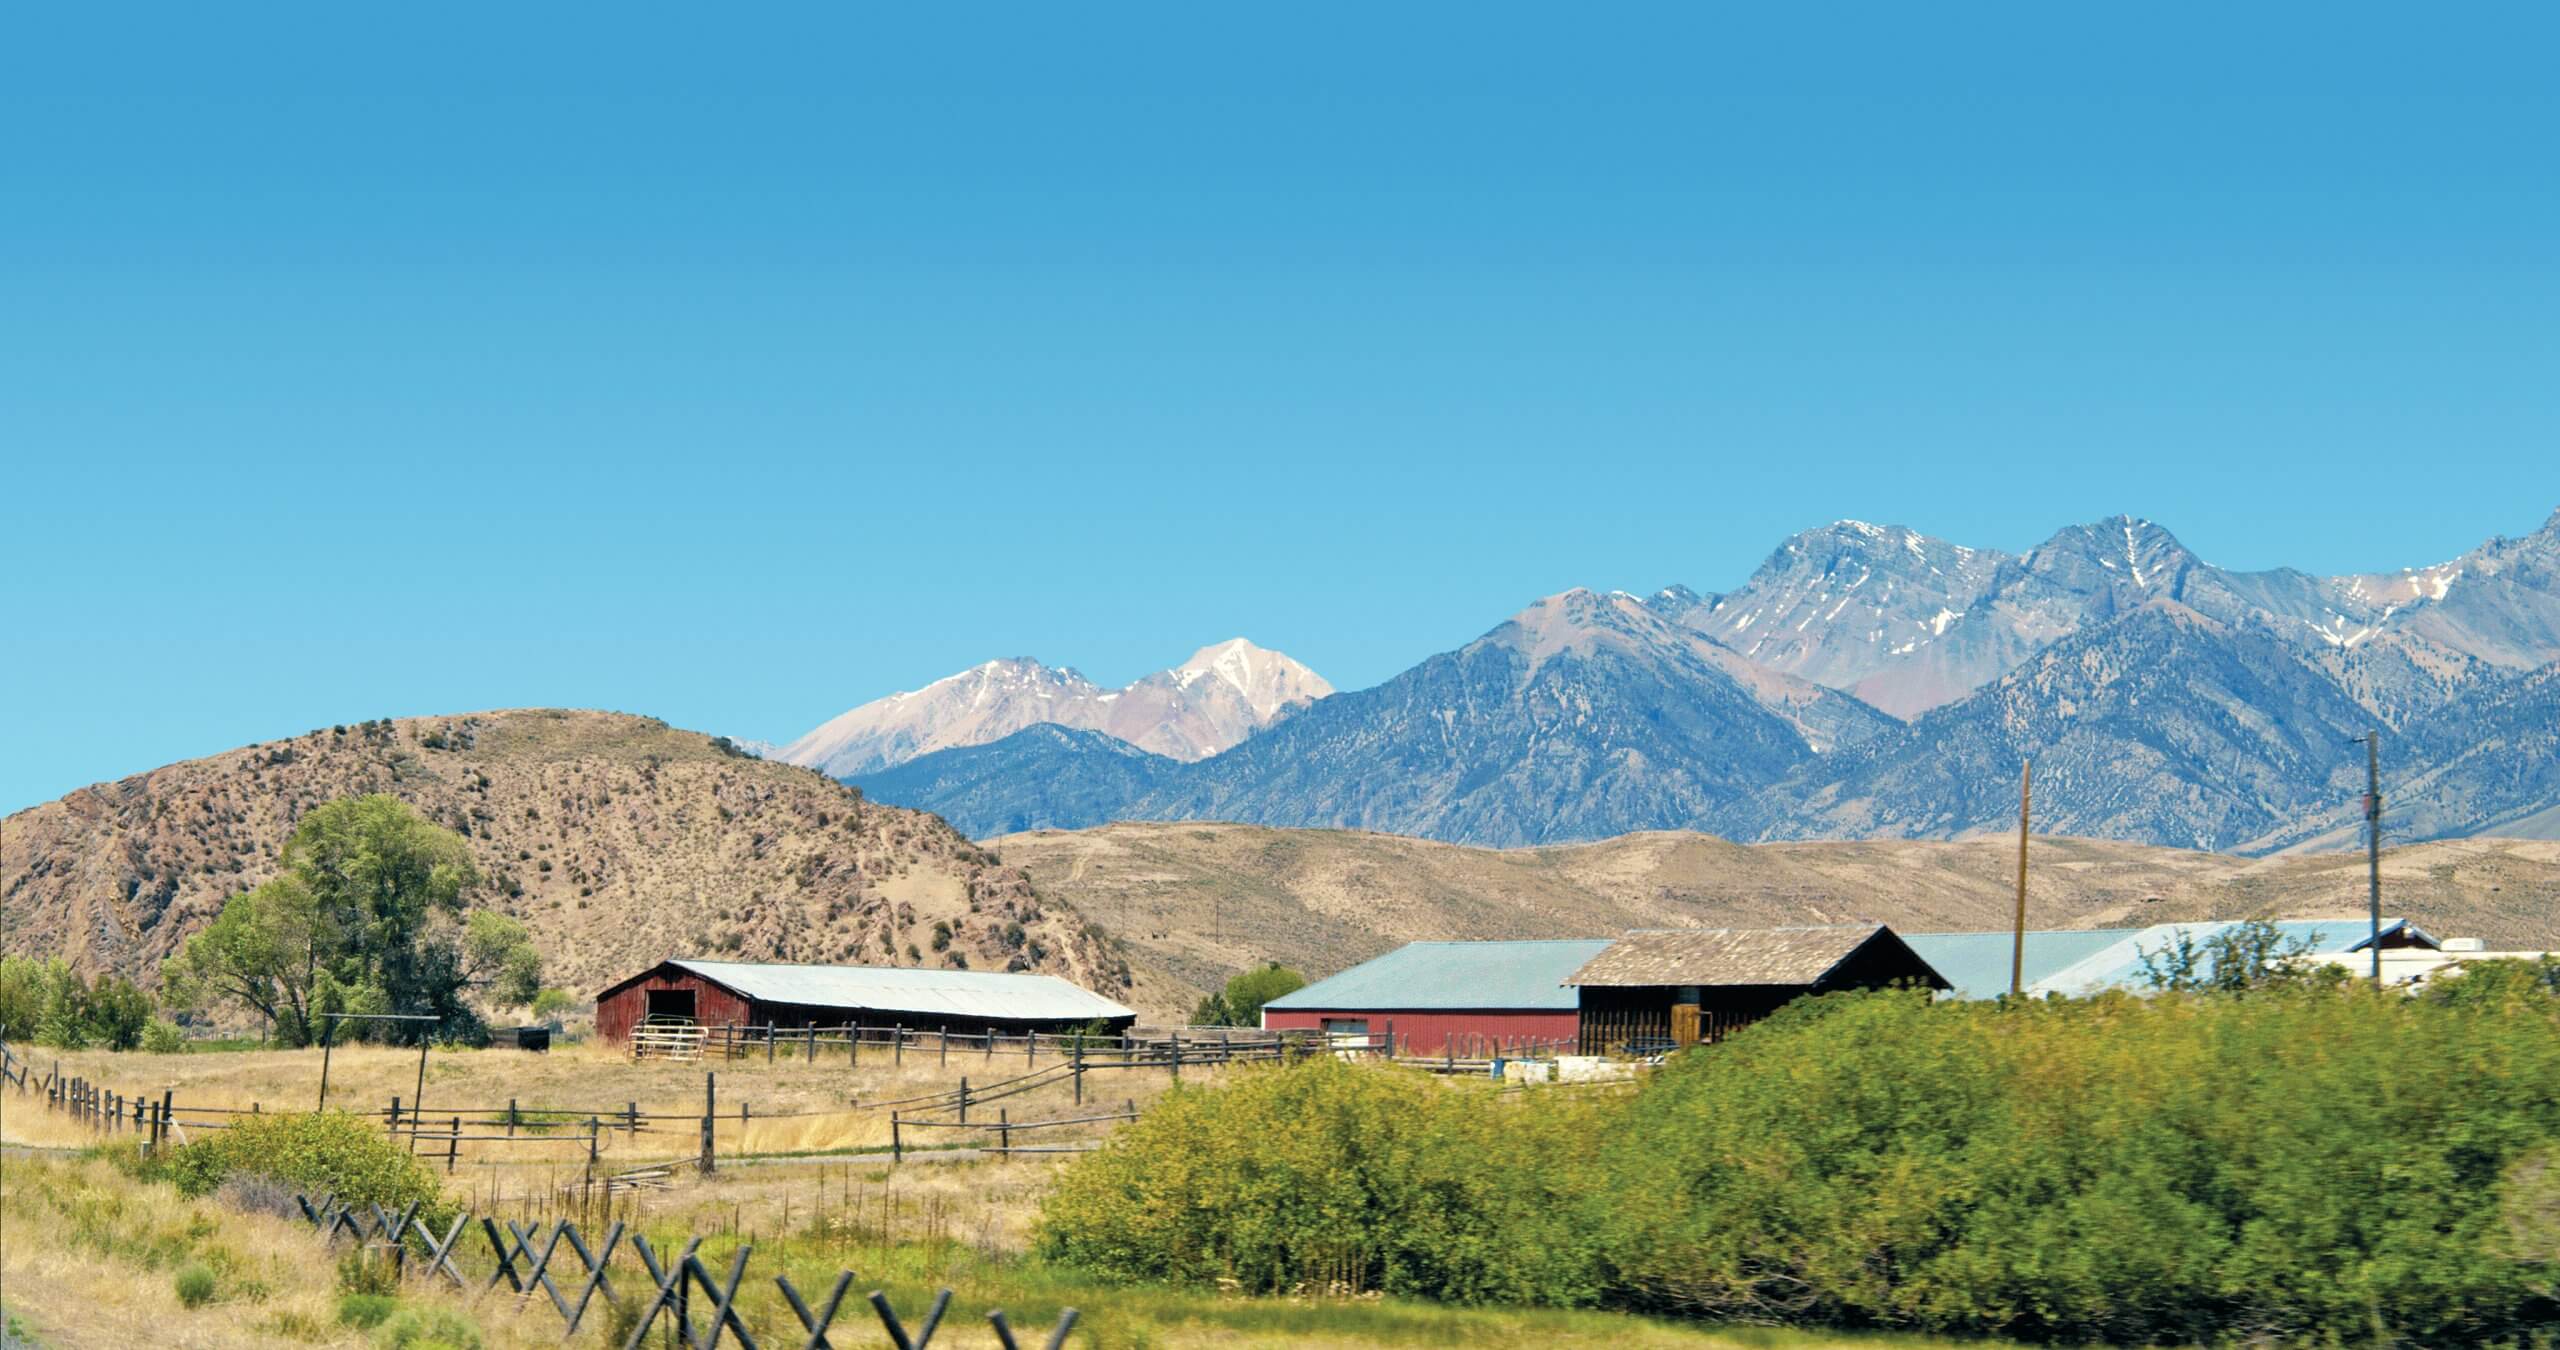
(1200, 901)
(617, 839)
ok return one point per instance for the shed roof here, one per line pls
(2075, 962)
(1720, 957)
(1528, 976)
(944, 993)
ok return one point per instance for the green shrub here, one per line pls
(195, 1286)
(428, 1328)
(2311, 1165)
(1331, 1176)
(365, 1311)
(162, 1037)
(367, 1271)
(327, 1154)
(2295, 1162)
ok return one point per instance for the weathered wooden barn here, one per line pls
(1688, 986)
(1467, 998)
(744, 993)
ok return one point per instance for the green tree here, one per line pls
(2252, 954)
(499, 959)
(63, 1021)
(2495, 984)
(364, 915)
(550, 1005)
(118, 1013)
(1240, 1003)
(21, 997)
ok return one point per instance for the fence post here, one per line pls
(1030, 1048)
(1004, 1133)
(453, 1146)
(391, 1123)
(964, 1100)
(853, 1047)
(710, 1104)
(1075, 1057)
(511, 1117)
(593, 1129)
(768, 1042)
(631, 1110)
(1174, 1060)
(813, 1042)
(165, 1095)
(942, 1046)
(991, 1044)
(897, 1146)
(898, 1046)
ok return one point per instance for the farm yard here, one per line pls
(804, 1184)
(1860, 1163)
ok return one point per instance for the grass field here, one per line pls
(103, 1272)
(794, 1106)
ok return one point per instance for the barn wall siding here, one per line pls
(1429, 1033)
(617, 1013)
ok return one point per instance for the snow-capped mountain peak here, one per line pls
(1222, 694)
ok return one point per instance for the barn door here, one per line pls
(1684, 1024)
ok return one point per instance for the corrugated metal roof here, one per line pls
(1977, 964)
(975, 994)
(1453, 975)
(1724, 956)
(2077, 962)
(2119, 966)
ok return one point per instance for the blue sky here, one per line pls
(739, 369)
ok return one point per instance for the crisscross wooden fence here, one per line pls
(667, 1293)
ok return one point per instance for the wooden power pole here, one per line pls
(2018, 943)
(2373, 842)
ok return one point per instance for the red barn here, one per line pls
(1464, 998)
(745, 993)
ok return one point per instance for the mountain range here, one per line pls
(1221, 695)
(1871, 682)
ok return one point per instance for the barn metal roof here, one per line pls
(1718, 957)
(945, 993)
(1977, 964)
(2075, 962)
(1528, 976)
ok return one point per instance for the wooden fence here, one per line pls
(441, 1133)
(667, 1292)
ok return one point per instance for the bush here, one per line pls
(2306, 1165)
(195, 1286)
(365, 1310)
(428, 1328)
(2295, 1162)
(162, 1037)
(368, 1271)
(327, 1154)
(1331, 1176)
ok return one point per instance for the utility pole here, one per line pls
(2018, 944)
(2373, 842)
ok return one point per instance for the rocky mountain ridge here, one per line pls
(617, 840)
(2166, 699)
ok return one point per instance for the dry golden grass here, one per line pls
(792, 1105)
(91, 1257)
(102, 1274)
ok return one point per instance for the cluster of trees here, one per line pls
(366, 916)
(2283, 1159)
(49, 1003)
(1240, 1003)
